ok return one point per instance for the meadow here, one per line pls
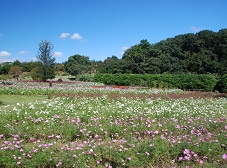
(91, 125)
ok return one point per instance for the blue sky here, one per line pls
(99, 28)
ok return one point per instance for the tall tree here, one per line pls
(46, 60)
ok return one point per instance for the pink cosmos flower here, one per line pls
(156, 132)
(186, 151)
(180, 158)
(201, 161)
(224, 156)
(51, 136)
(58, 136)
(151, 145)
(147, 153)
(32, 139)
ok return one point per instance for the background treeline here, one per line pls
(204, 52)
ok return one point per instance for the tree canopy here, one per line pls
(45, 58)
(78, 64)
(203, 52)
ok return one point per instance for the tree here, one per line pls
(29, 66)
(16, 63)
(78, 64)
(138, 57)
(47, 62)
(15, 71)
(113, 65)
(5, 67)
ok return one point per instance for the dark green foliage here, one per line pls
(85, 77)
(113, 65)
(222, 84)
(205, 82)
(5, 67)
(201, 53)
(78, 64)
(46, 67)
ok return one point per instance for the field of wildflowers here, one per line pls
(82, 126)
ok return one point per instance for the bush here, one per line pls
(222, 84)
(35, 74)
(6, 83)
(60, 80)
(4, 77)
(85, 77)
(205, 82)
(25, 75)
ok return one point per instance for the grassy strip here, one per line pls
(11, 100)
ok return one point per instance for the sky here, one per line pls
(99, 28)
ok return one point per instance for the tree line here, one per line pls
(203, 52)
(199, 53)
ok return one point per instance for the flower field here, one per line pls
(83, 126)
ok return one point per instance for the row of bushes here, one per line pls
(205, 82)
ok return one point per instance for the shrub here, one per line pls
(6, 83)
(4, 77)
(205, 82)
(25, 75)
(85, 77)
(222, 84)
(60, 80)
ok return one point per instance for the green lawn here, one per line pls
(12, 100)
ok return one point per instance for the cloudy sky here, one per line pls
(99, 28)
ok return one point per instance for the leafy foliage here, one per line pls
(78, 64)
(46, 69)
(15, 71)
(203, 52)
(204, 82)
(222, 84)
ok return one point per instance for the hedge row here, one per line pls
(205, 82)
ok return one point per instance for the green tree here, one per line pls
(16, 63)
(46, 60)
(113, 65)
(141, 57)
(29, 66)
(15, 71)
(5, 67)
(78, 64)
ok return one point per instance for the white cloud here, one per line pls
(34, 59)
(4, 54)
(57, 54)
(22, 52)
(76, 36)
(64, 35)
(195, 28)
(124, 49)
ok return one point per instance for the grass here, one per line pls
(11, 100)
